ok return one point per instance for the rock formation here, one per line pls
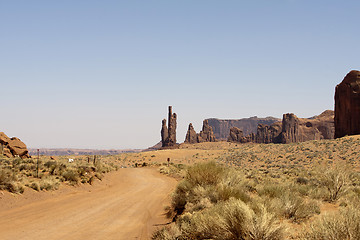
(11, 147)
(222, 127)
(293, 129)
(268, 134)
(290, 128)
(191, 136)
(168, 134)
(347, 105)
(237, 135)
(164, 132)
(205, 135)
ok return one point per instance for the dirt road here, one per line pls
(127, 204)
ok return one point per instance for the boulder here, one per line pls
(18, 148)
(347, 105)
(11, 147)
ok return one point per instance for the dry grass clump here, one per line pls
(206, 184)
(344, 224)
(232, 219)
(8, 181)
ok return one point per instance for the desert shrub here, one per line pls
(206, 184)
(5, 178)
(8, 181)
(15, 187)
(49, 183)
(71, 176)
(232, 219)
(50, 163)
(272, 190)
(35, 186)
(91, 180)
(335, 179)
(344, 224)
(170, 233)
(296, 208)
(208, 173)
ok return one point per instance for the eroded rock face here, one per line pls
(236, 135)
(294, 129)
(191, 136)
(207, 134)
(268, 134)
(164, 132)
(221, 127)
(11, 147)
(290, 128)
(347, 105)
(172, 127)
(168, 134)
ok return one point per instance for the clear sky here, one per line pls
(100, 74)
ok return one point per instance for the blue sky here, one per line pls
(100, 74)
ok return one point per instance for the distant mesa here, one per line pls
(78, 151)
(291, 129)
(347, 105)
(12, 147)
(168, 133)
(205, 135)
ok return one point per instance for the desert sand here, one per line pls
(127, 204)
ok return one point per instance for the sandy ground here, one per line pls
(127, 204)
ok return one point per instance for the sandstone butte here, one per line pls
(347, 105)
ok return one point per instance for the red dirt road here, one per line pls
(127, 204)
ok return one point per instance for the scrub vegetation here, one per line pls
(46, 174)
(305, 190)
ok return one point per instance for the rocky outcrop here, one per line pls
(168, 134)
(164, 132)
(11, 147)
(294, 129)
(347, 105)
(221, 127)
(268, 134)
(237, 135)
(191, 136)
(207, 134)
(290, 128)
